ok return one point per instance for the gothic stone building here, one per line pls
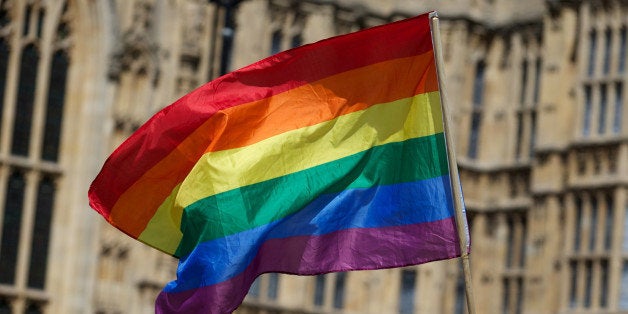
(538, 91)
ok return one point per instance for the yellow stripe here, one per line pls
(220, 171)
(303, 148)
(163, 230)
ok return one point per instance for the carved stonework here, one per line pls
(193, 28)
(137, 52)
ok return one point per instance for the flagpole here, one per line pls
(461, 221)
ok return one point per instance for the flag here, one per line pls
(327, 157)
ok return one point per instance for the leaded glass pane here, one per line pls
(54, 110)
(41, 234)
(25, 101)
(11, 225)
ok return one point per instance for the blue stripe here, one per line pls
(218, 260)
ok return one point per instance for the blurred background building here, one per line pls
(538, 89)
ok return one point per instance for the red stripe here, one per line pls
(273, 75)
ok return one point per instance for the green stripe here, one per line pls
(254, 205)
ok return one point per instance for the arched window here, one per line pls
(34, 65)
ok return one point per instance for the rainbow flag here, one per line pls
(328, 157)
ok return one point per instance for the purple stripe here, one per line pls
(351, 249)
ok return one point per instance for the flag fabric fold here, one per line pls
(327, 157)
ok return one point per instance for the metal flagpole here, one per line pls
(461, 221)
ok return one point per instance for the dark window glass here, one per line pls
(408, 286)
(608, 229)
(619, 110)
(273, 286)
(4, 63)
(5, 307)
(519, 296)
(11, 225)
(532, 134)
(297, 40)
(588, 275)
(54, 110)
(33, 308)
(40, 22)
(25, 101)
(519, 141)
(476, 118)
(461, 296)
(592, 48)
(578, 224)
(537, 80)
(593, 225)
(41, 234)
(275, 44)
(623, 293)
(604, 283)
(478, 84)
(339, 290)
(510, 250)
(601, 127)
(228, 33)
(319, 290)
(524, 81)
(607, 51)
(586, 127)
(573, 282)
(506, 297)
(254, 290)
(27, 18)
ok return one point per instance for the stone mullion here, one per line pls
(568, 234)
(39, 106)
(617, 254)
(26, 234)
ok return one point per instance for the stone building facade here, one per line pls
(538, 91)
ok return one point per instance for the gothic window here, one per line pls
(623, 294)
(602, 79)
(41, 233)
(512, 297)
(619, 101)
(319, 290)
(287, 26)
(273, 286)
(460, 301)
(276, 41)
(589, 261)
(4, 62)
(601, 124)
(265, 287)
(254, 289)
(476, 114)
(54, 107)
(339, 290)
(25, 101)
(34, 62)
(592, 48)
(11, 225)
(606, 67)
(530, 69)
(408, 291)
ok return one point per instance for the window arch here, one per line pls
(34, 65)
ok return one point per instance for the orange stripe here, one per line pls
(249, 123)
